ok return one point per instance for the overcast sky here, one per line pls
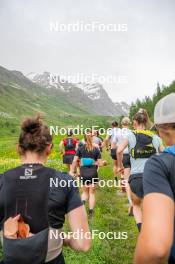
(144, 54)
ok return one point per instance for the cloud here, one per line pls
(145, 53)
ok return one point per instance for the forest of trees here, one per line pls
(149, 103)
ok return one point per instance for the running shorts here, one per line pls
(126, 161)
(89, 175)
(114, 154)
(136, 184)
(68, 158)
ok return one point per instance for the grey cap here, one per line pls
(164, 112)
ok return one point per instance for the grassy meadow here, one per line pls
(111, 213)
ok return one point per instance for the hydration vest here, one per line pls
(69, 144)
(26, 191)
(144, 147)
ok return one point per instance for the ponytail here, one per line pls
(142, 117)
(89, 142)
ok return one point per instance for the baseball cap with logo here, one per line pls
(164, 112)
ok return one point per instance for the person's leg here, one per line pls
(115, 169)
(127, 172)
(137, 209)
(78, 170)
(70, 164)
(92, 198)
(123, 186)
(85, 194)
(70, 168)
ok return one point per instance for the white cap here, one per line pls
(164, 112)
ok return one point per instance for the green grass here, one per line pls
(111, 213)
(11, 127)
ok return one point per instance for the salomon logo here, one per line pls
(28, 172)
(28, 175)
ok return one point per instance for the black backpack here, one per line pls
(70, 144)
(27, 194)
(144, 147)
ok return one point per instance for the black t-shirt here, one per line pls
(63, 196)
(82, 152)
(159, 175)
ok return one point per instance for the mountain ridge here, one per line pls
(20, 97)
(93, 96)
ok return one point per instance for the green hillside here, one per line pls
(149, 102)
(19, 97)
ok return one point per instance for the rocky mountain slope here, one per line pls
(90, 96)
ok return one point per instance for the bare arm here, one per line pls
(76, 147)
(100, 162)
(155, 240)
(78, 222)
(106, 141)
(73, 167)
(120, 150)
(161, 148)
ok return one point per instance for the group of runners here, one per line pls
(31, 209)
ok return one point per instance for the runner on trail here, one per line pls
(114, 137)
(90, 158)
(98, 140)
(70, 145)
(142, 145)
(156, 238)
(32, 210)
(126, 160)
(80, 144)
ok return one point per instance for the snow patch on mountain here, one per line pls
(100, 102)
(92, 90)
(125, 108)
